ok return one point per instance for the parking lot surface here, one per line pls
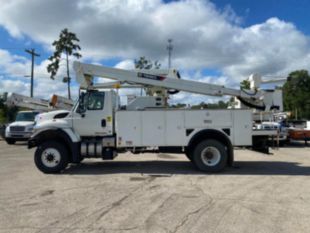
(156, 193)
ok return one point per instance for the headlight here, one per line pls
(29, 129)
(35, 128)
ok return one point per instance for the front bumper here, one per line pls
(18, 136)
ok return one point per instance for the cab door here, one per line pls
(93, 116)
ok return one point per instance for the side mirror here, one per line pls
(81, 107)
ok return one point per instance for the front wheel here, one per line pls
(10, 141)
(210, 156)
(189, 155)
(51, 157)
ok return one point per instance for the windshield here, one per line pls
(26, 116)
(75, 106)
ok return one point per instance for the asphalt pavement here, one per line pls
(156, 193)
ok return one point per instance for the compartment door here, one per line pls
(153, 128)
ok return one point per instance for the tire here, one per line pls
(51, 157)
(80, 161)
(189, 155)
(210, 156)
(10, 141)
(282, 143)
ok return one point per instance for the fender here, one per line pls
(213, 134)
(65, 136)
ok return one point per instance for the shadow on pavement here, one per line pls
(185, 168)
(297, 144)
(21, 143)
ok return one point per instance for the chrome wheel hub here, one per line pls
(210, 156)
(50, 157)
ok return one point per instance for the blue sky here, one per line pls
(222, 43)
(258, 11)
(251, 12)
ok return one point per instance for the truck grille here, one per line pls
(17, 128)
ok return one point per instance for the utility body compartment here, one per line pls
(174, 127)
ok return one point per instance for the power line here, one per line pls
(12, 48)
(169, 48)
(33, 54)
(22, 75)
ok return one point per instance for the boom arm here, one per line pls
(56, 102)
(18, 100)
(160, 78)
(168, 79)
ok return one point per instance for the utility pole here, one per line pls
(33, 54)
(169, 48)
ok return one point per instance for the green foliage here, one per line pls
(7, 114)
(245, 84)
(296, 94)
(2, 113)
(219, 105)
(2, 117)
(178, 105)
(67, 44)
(143, 63)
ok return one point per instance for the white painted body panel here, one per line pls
(242, 130)
(48, 115)
(64, 124)
(56, 123)
(168, 127)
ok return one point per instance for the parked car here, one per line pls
(282, 130)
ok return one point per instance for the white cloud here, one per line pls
(203, 36)
(17, 86)
(13, 79)
(127, 64)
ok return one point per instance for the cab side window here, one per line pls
(95, 101)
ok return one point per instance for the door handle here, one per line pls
(103, 123)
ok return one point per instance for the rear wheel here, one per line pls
(51, 157)
(210, 156)
(10, 141)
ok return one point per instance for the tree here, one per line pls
(245, 84)
(7, 114)
(2, 111)
(178, 105)
(143, 63)
(67, 44)
(219, 105)
(296, 94)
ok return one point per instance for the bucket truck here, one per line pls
(98, 127)
(268, 118)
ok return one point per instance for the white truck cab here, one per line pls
(93, 114)
(21, 128)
